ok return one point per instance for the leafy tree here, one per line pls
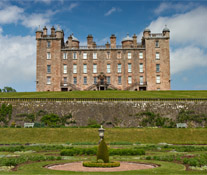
(50, 119)
(8, 89)
(103, 152)
(5, 113)
(0, 90)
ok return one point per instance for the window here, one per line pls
(74, 55)
(84, 55)
(48, 69)
(95, 80)
(141, 67)
(108, 68)
(84, 80)
(129, 55)
(158, 89)
(65, 80)
(119, 68)
(130, 80)
(157, 55)
(156, 43)
(108, 79)
(140, 55)
(94, 56)
(85, 68)
(129, 67)
(48, 80)
(141, 80)
(48, 44)
(118, 55)
(108, 55)
(157, 68)
(75, 69)
(157, 79)
(64, 56)
(119, 79)
(94, 68)
(65, 69)
(48, 55)
(74, 80)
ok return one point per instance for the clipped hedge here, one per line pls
(102, 165)
(92, 151)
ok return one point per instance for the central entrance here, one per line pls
(102, 82)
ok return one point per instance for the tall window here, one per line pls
(140, 55)
(129, 55)
(157, 79)
(65, 80)
(141, 67)
(64, 56)
(108, 55)
(119, 68)
(84, 80)
(129, 80)
(84, 55)
(94, 55)
(94, 68)
(157, 55)
(141, 80)
(74, 55)
(118, 55)
(108, 80)
(119, 79)
(157, 68)
(156, 43)
(48, 68)
(48, 55)
(85, 68)
(129, 67)
(64, 68)
(48, 44)
(95, 80)
(48, 80)
(75, 69)
(108, 68)
(74, 80)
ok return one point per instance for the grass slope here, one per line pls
(108, 94)
(71, 135)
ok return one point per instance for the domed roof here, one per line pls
(147, 30)
(74, 38)
(39, 29)
(166, 29)
(127, 38)
(58, 29)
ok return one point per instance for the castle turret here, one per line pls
(38, 33)
(166, 32)
(127, 42)
(45, 31)
(52, 31)
(113, 41)
(146, 33)
(59, 33)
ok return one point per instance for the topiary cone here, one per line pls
(103, 153)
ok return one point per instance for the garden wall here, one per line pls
(110, 113)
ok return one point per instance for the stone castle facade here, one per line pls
(67, 66)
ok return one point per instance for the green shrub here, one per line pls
(103, 165)
(102, 152)
(50, 120)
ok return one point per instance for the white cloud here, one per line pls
(72, 6)
(187, 58)
(112, 10)
(10, 14)
(17, 60)
(1, 30)
(44, 1)
(178, 7)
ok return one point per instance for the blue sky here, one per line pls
(185, 19)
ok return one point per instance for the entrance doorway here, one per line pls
(142, 88)
(64, 89)
(102, 88)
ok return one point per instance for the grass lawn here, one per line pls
(108, 94)
(133, 135)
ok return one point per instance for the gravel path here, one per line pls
(77, 166)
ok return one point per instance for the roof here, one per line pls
(74, 38)
(127, 38)
(166, 29)
(39, 29)
(147, 30)
(58, 29)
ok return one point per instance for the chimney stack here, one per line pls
(90, 41)
(113, 41)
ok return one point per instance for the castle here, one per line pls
(67, 66)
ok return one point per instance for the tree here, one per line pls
(50, 119)
(103, 152)
(8, 89)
